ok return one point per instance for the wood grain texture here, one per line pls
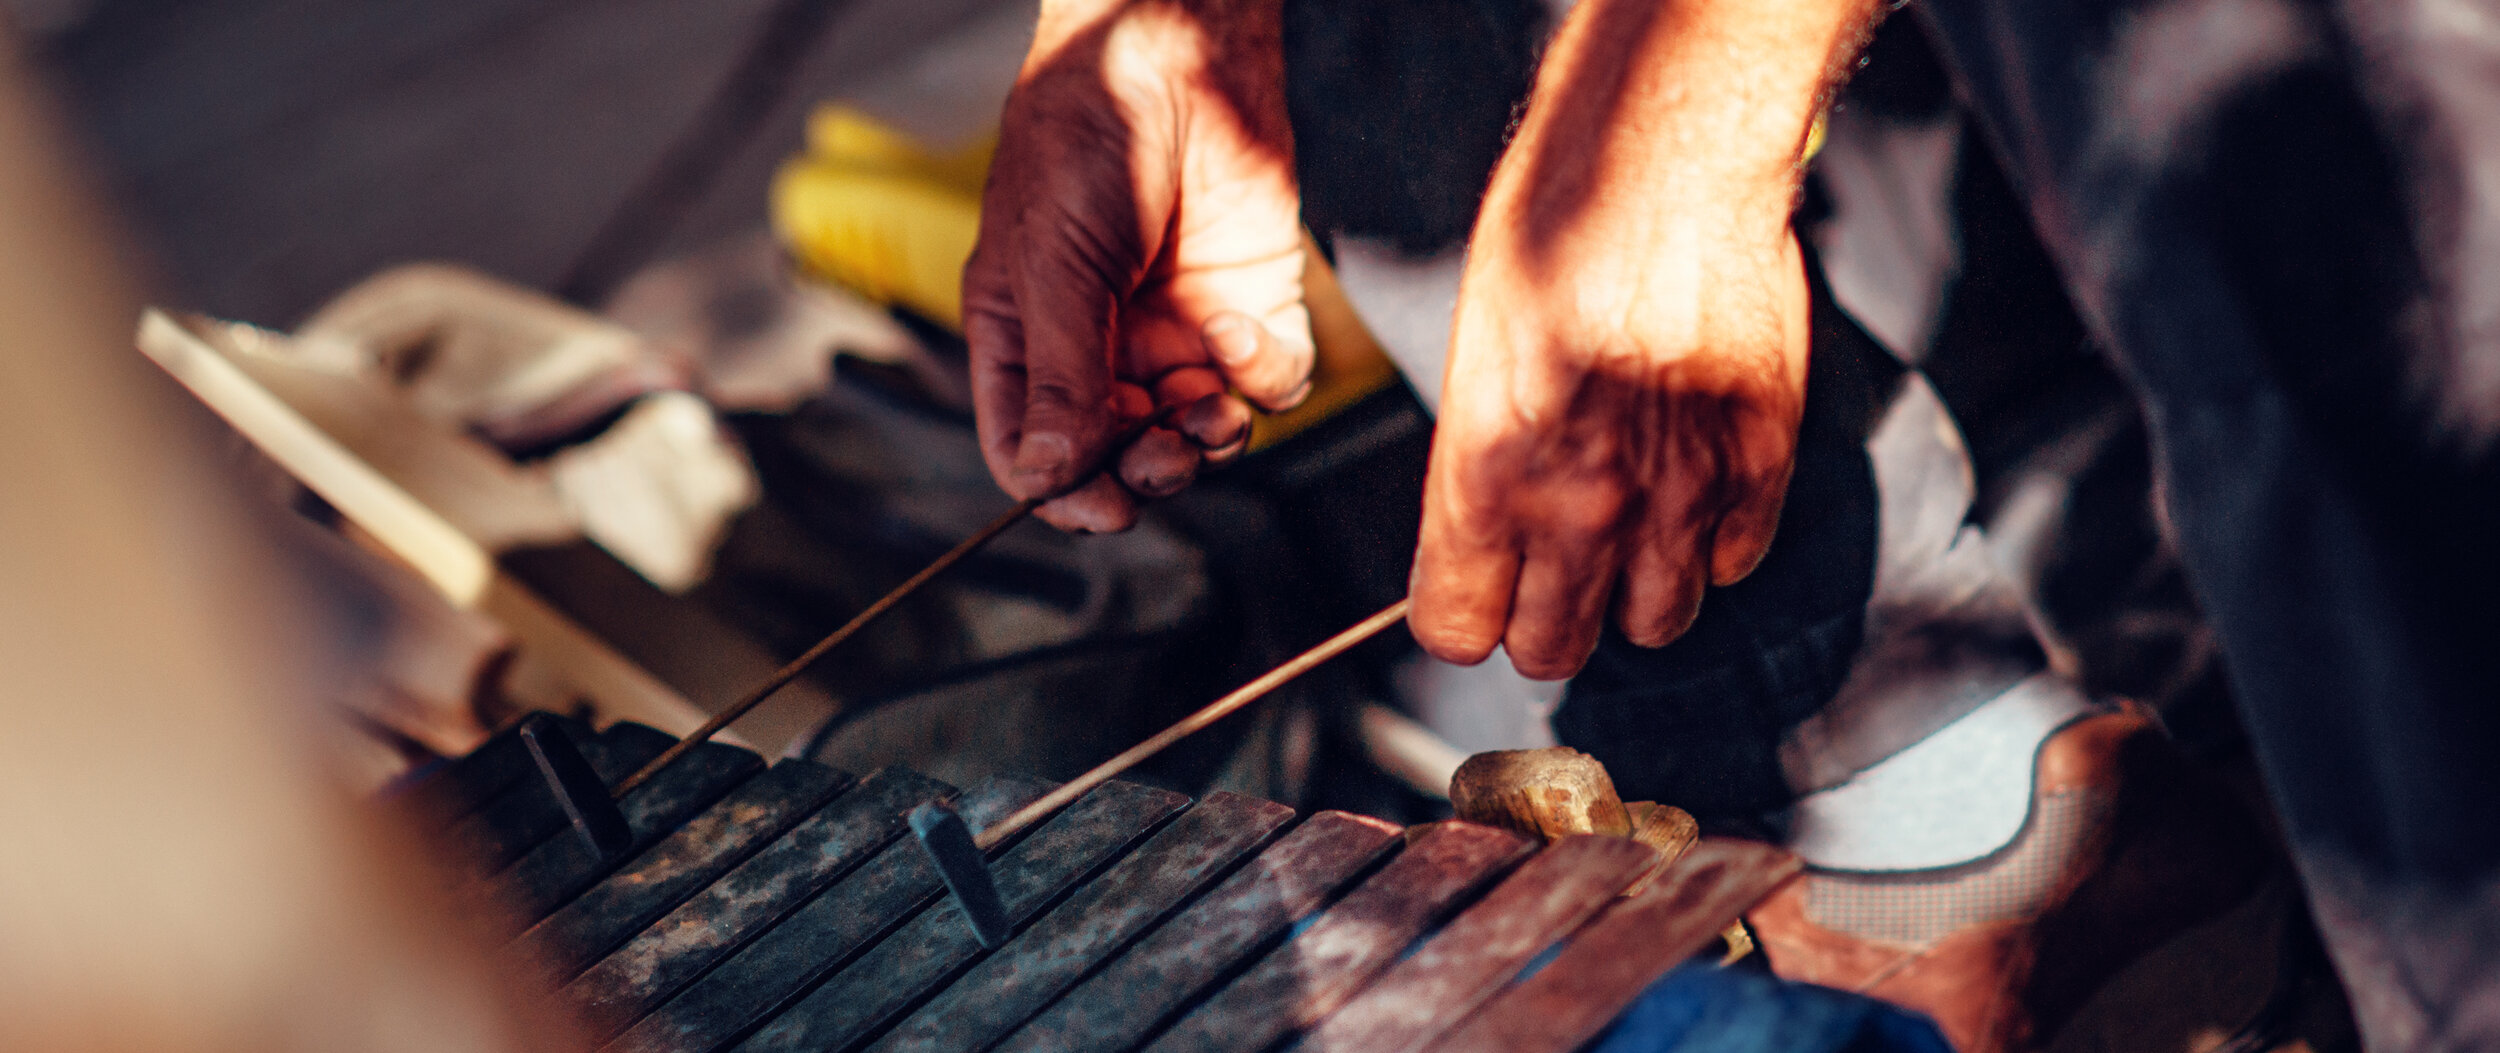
(818, 938)
(583, 931)
(937, 944)
(750, 899)
(1177, 962)
(1482, 949)
(1667, 829)
(1547, 793)
(1096, 922)
(1636, 941)
(1349, 944)
(560, 867)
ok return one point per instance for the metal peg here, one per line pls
(967, 874)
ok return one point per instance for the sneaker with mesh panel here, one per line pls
(2126, 846)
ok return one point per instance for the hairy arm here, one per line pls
(1627, 365)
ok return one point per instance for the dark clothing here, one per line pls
(2277, 239)
(1700, 722)
(2275, 216)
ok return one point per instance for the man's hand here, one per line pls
(1627, 366)
(1140, 247)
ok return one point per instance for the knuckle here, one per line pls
(1574, 513)
(1043, 392)
(1588, 513)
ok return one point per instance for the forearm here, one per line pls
(1707, 101)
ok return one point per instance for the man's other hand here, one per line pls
(1140, 247)
(1627, 365)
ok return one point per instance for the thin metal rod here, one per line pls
(1189, 725)
(782, 677)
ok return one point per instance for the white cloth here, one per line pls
(1956, 796)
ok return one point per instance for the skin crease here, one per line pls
(1140, 246)
(1627, 365)
(1627, 362)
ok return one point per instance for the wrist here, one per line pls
(1700, 104)
(1219, 22)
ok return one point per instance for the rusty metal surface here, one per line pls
(1096, 922)
(526, 812)
(637, 894)
(936, 945)
(1627, 948)
(784, 960)
(698, 933)
(1483, 948)
(561, 867)
(1184, 956)
(1349, 944)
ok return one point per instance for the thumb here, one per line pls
(1241, 266)
(1272, 372)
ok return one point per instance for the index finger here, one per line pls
(994, 340)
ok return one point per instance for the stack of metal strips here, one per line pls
(785, 907)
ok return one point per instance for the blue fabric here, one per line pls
(1701, 1008)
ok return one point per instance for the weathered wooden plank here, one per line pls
(585, 930)
(1096, 922)
(746, 901)
(526, 813)
(1483, 948)
(1636, 941)
(561, 867)
(861, 999)
(815, 937)
(1349, 944)
(1184, 956)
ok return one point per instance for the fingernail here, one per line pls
(1163, 484)
(1208, 413)
(1233, 338)
(1240, 434)
(1043, 454)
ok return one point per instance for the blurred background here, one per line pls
(585, 165)
(676, 358)
(274, 154)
